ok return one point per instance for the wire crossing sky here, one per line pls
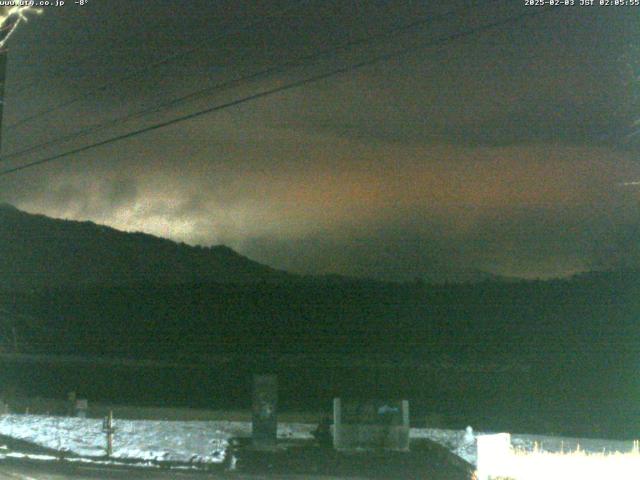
(142, 70)
(231, 83)
(282, 88)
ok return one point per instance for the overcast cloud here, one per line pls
(504, 153)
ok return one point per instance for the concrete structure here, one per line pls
(265, 410)
(371, 424)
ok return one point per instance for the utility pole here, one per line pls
(3, 71)
(9, 22)
(10, 18)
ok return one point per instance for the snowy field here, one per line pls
(207, 441)
(463, 443)
(197, 442)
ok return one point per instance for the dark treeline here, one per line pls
(585, 316)
(573, 344)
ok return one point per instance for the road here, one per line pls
(426, 460)
(17, 471)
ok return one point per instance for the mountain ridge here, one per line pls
(42, 252)
(39, 251)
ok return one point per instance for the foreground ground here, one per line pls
(55, 447)
(297, 461)
(27, 472)
(17, 472)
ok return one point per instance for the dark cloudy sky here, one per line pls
(505, 152)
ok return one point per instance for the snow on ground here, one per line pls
(463, 442)
(138, 439)
(146, 440)
(566, 444)
(207, 441)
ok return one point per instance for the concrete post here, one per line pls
(494, 454)
(265, 412)
(337, 423)
(403, 438)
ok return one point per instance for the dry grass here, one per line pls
(578, 464)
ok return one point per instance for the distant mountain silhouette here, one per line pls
(37, 251)
(41, 252)
(466, 277)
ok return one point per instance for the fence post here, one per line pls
(81, 407)
(107, 428)
(337, 423)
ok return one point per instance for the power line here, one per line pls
(282, 88)
(234, 82)
(83, 60)
(136, 73)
